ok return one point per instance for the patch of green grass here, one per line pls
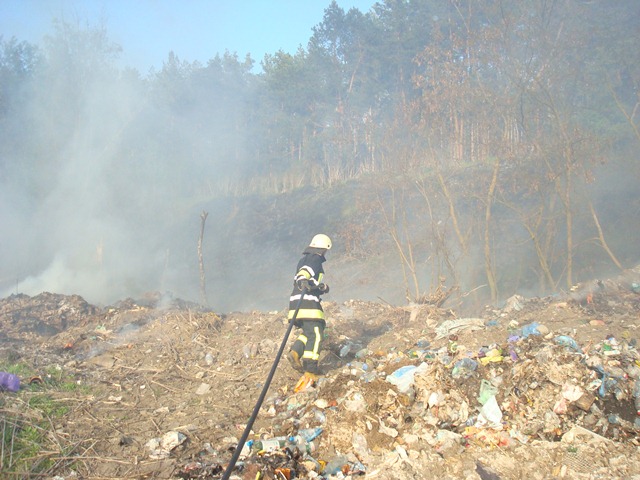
(24, 433)
(55, 374)
(22, 370)
(48, 406)
(23, 439)
(72, 386)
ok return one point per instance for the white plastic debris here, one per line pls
(403, 378)
(448, 327)
(203, 389)
(161, 447)
(490, 415)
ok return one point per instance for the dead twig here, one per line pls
(156, 425)
(138, 369)
(172, 390)
(103, 422)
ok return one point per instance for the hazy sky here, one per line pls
(194, 29)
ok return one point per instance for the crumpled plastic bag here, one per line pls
(404, 377)
(9, 381)
(161, 447)
(448, 327)
(490, 415)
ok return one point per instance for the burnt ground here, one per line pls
(154, 368)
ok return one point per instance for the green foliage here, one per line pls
(364, 83)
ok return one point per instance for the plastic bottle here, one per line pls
(269, 445)
(303, 441)
(346, 348)
(301, 444)
(310, 433)
(9, 381)
(486, 391)
(246, 450)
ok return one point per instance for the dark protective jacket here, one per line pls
(310, 268)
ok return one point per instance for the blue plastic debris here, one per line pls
(566, 341)
(531, 329)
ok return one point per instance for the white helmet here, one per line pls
(321, 241)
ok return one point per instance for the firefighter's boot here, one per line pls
(294, 360)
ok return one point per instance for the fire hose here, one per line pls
(263, 394)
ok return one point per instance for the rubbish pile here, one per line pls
(443, 402)
(540, 388)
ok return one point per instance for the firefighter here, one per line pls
(308, 281)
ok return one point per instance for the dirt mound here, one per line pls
(158, 388)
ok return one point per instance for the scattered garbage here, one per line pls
(486, 391)
(490, 415)
(531, 329)
(449, 327)
(568, 342)
(514, 303)
(161, 447)
(464, 368)
(268, 445)
(403, 378)
(9, 382)
(495, 398)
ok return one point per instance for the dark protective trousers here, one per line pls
(309, 343)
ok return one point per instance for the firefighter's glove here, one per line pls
(303, 285)
(323, 287)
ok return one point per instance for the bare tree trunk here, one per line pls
(569, 216)
(203, 285)
(603, 242)
(628, 116)
(407, 261)
(441, 250)
(489, 267)
(541, 245)
(452, 212)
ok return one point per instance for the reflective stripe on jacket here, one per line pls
(310, 268)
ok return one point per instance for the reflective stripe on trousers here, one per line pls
(313, 354)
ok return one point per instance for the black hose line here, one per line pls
(256, 409)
